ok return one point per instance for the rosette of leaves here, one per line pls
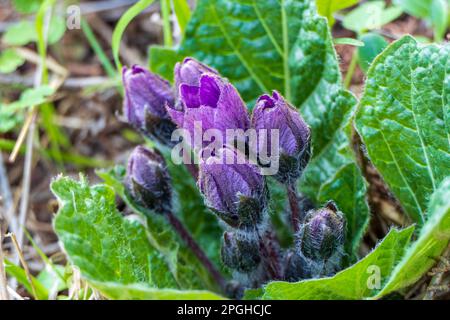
(286, 46)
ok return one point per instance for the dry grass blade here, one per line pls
(4, 295)
(24, 263)
(51, 63)
(14, 294)
(6, 198)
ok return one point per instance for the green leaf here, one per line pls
(433, 240)
(8, 118)
(348, 181)
(35, 96)
(348, 41)
(112, 252)
(403, 119)
(374, 44)
(262, 46)
(139, 292)
(186, 269)
(327, 8)
(12, 114)
(26, 6)
(182, 12)
(126, 18)
(371, 15)
(351, 283)
(277, 37)
(24, 32)
(417, 8)
(96, 238)
(199, 220)
(10, 60)
(52, 280)
(439, 15)
(56, 29)
(163, 60)
(20, 275)
(435, 12)
(20, 34)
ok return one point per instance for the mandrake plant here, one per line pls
(220, 230)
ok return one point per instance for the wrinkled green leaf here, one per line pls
(271, 45)
(433, 239)
(10, 60)
(352, 283)
(96, 238)
(139, 292)
(110, 250)
(327, 8)
(371, 15)
(186, 268)
(163, 60)
(403, 119)
(374, 44)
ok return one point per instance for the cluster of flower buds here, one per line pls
(235, 191)
(207, 98)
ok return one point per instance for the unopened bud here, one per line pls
(148, 180)
(239, 254)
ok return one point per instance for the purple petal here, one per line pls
(190, 96)
(145, 92)
(176, 116)
(209, 91)
(189, 72)
(231, 110)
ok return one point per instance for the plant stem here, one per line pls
(295, 208)
(269, 251)
(351, 69)
(199, 253)
(165, 10)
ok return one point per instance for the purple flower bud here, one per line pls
(322, 235)
(146, 97)
(148, 180)
(190, 71)
(239, 254)
(214, 103)
(275, 113)
(235, 192)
